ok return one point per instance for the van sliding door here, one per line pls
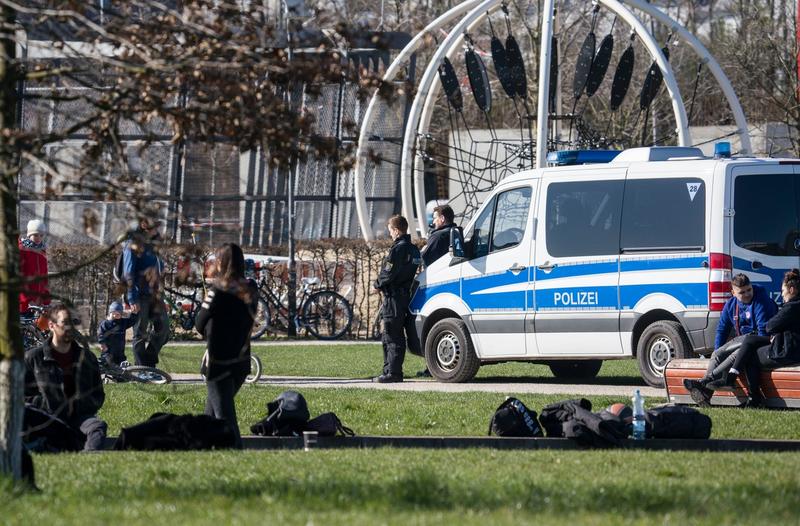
(577, 263)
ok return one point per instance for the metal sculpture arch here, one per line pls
(472, 13)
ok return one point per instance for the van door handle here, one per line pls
(756, 265)
(516, 268)
(546, 266)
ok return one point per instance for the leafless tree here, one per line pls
(206, 70)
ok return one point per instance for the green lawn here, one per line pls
(406, 486)
(399, 486)
(359, 361)
(383, 412)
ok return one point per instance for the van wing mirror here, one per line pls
(458, 249)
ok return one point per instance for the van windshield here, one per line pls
(766, 214)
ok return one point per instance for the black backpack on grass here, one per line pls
(677, 421)
(287, 415)
(513, 419)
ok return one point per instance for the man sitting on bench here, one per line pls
(782, 349)
(746, 312)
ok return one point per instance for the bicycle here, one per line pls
(33, 326)
(324, 314)
(255, 368)
(183, 309)
(125, 372)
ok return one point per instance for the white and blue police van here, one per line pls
(608, 255)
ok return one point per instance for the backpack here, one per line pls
(677, 421)
(513, 419)
(287, 415)
(328, 425)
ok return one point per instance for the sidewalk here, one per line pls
(423, 385)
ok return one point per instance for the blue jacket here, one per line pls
(134, 267)
(112, 333)
(744, 319)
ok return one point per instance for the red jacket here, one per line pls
(33, 263)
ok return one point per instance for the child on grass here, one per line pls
(111, 334)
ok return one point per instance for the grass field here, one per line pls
(359, 361)
(406, 486)
(391, 486)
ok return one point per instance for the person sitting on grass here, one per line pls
(111, 334)
(746, 312)
(62, 378)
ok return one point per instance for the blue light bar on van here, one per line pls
(722, 150)
(571, 157)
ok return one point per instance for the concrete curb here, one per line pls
(372, 442)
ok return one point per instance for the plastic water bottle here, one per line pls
(638, 416)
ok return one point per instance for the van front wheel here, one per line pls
(449, 352)
(660, 342)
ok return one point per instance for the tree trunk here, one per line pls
(11, 351)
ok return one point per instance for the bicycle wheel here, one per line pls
(327, 315)
(31, 336)
(147, 375)
(255, 370)
(261, 320)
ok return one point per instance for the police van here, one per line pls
(608, 255)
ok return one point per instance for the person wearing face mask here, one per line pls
(783, 348)
(746, 312)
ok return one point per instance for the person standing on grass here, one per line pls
(33, 266)
(142, 269)
(746, 312)
(225, 320)
(62, 378)
(395, 280)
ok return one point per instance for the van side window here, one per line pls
(511, 217)
(664, 214)
(481, 231)
(583, 217)
(766, 214)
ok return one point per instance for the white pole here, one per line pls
(544, 83)
(391, 72)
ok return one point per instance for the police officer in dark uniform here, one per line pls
(439, 241)
(395, 280)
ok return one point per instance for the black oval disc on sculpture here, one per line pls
(517, 66)
(553, 71)
(450, 84)
(652, 83)
(583, 65)
(622, 78)
(500, 59)
(600, 65)
(478, 80)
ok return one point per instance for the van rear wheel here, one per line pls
(449, 352)
(661, 342)
(582, 369)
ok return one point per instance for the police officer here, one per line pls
(395, 280)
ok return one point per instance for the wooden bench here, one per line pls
(781, 387)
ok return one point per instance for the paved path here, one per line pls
(283, 343)
(419, 385)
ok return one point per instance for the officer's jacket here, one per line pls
(44, 383)
(399, 267)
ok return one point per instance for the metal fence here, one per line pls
(214, 193)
